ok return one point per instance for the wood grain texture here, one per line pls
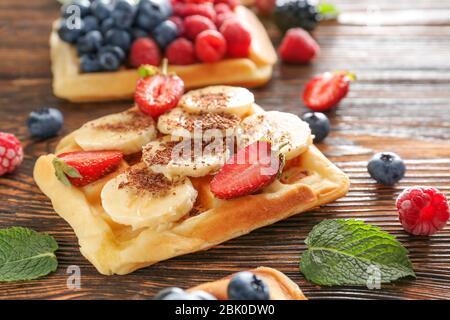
(400, 103)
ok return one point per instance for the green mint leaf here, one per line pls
(350, 252)
(26, 254)
(328, 11)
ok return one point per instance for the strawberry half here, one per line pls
(80, 168)
(249, 170)
(157, 93)
(326, 90)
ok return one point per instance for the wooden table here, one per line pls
(400, 103)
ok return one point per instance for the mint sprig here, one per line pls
(26, 254)
(347, 252)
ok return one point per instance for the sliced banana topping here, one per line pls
(217, 99)
(284, 130)
(180, 123)
(126, 131)
(186, 157)
(141, 198)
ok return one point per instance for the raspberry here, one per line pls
(144, 51)
(181, 51)
(422, 210)
(193, 25)
(190, 9)
(222, 8)
(210, 46)
(231, 3)
(238, 38)
(179, 23)
(224, 16)
(298, 46)
(11, 153)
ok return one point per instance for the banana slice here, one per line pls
(126, 131)
(180, 123)
(141, 198)
(218, 99)
(284, 130)
(185, 157)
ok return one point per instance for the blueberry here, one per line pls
(116, 50)
(319, 124)
(109, 61)
(201, 295)
(81, 7)
(119, 38)
(151, 13)
(247, 286)
(386, 168)
(91, 23)
(101, 9)
(89, 63)
(139, 33)
(107, 25)
(123, 14)
(165, 33)
(69, 32)
(90, 42)
(45, 123)
(180, 294)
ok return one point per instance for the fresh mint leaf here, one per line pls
(351, 252)
(26, 254)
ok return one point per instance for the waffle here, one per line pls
(70, 84)
(307, 181)
(280, 286)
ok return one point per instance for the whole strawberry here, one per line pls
(11, 153)
(298, 47)
(422, 210)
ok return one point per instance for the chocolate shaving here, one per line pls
(144, 180)
(211, 100)
(136, 120)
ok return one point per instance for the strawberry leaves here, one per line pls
(62, 170)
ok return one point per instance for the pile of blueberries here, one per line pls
(103, 30)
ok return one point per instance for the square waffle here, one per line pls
(70, 84)
(280, 286)
(307, 181)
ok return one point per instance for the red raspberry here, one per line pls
(210, 46)
(181, 51)
(222, 8)
(265, 7)
(190, 9)
(224, 16)
(179, 23)
(198, 1)
(422, 210)
(298, 46)
(144, 51)
(231, 3)
(11, 153)
(193, 25)
(238, 38)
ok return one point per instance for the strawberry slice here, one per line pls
(157, 93)
(80, 168)
(249, 170)
(326, 90)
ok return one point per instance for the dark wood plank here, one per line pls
(401, 103)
